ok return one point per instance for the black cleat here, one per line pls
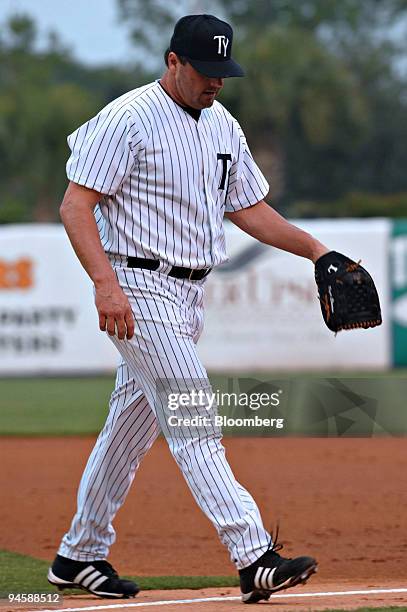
(96, 577)
(271, 573)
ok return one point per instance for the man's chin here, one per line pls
(207, 103)
(207, 99)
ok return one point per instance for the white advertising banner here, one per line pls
(48, 321)
(262, 310)
(261, 307)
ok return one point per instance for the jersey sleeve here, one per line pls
(103, 150)
(247, 185)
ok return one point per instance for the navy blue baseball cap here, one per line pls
(206, 42)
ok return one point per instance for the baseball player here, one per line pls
(151, 178)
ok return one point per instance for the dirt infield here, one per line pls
(341, 500)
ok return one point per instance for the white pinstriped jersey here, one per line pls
(166, 178)
(166, 181)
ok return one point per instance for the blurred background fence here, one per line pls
(262, 312)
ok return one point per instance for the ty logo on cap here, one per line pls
(223, 42)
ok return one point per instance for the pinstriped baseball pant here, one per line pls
(169, 319)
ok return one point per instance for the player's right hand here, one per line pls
(115, 314)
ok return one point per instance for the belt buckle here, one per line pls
(190, 275)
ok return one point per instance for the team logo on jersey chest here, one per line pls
(224, 157)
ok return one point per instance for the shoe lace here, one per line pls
(106, 569)
(274, 545)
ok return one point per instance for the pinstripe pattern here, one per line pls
(169, 316)
(159, 172)
(161, 177)
(130, 430)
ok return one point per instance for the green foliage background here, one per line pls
(324, 102)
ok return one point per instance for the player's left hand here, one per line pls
(347, 293)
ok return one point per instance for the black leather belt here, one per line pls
(176, 271)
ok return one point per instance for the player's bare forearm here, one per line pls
(264, 223)
(77, 216)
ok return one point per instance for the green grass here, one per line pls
(24, 574)
(78, 406)
(53, 406)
